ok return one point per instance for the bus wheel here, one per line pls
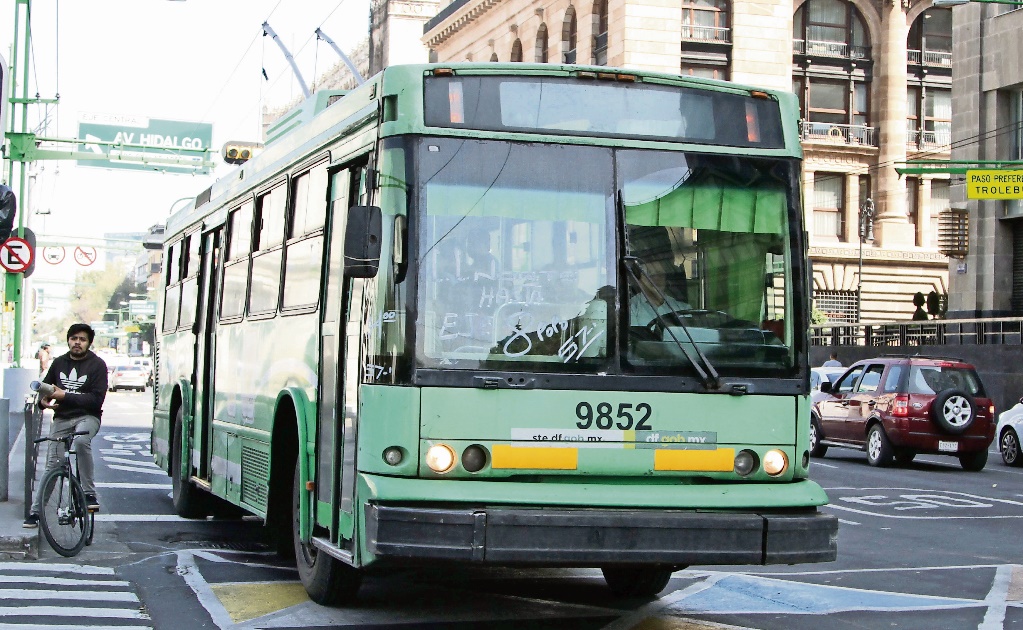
(327, 580)
(637, 581)
(189, 501)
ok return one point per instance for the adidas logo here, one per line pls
(72, 381)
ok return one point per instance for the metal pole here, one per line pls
(348, 62)
(866, 231)
(287, 55)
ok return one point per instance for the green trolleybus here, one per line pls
(509, 314)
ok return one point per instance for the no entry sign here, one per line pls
(15, 255)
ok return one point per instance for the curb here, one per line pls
(20, 547)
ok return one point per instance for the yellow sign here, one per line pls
(131, 328)
(994, 184)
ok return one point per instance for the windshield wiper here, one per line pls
(709, 376)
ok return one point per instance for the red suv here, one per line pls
(896, 407)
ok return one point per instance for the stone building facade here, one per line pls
(874, 81)
(988, 123)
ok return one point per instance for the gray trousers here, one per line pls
(83, 450)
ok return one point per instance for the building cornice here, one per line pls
(852, 252)
(464, 13)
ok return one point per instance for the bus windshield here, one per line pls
(519, 271)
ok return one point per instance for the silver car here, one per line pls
(128, 377)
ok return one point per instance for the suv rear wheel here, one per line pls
(953, 410)
(973, 462)
(879, 449)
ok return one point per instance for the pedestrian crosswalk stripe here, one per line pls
(78, 596)
(37, 626)
(55, 581)
(66, 611)
(55, 568)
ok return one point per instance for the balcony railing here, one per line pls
(838, 134)
(929, 139)
(693, 32)
(929, 58)
(829, 49)
(949, 332)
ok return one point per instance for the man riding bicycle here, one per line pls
(79, 378)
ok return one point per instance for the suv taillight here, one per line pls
(900, 407)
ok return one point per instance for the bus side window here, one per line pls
(236, 269)
(172, 296)
(190, 264)
(266, 260)
(304, 256)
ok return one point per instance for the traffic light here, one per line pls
(8, 208)
(240, 152)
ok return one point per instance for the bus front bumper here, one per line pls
(589, 537)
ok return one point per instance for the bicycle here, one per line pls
(65, 519)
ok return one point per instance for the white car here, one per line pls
(1010, 425)
(819, 375)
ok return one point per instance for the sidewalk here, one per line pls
(16, 542)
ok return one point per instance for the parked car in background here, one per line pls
(128, 377)
(897, 407)
(1010, 425)
(147, 365)
(820, 374)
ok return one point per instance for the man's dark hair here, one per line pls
(85, 328)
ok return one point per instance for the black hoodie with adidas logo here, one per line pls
(84, 380)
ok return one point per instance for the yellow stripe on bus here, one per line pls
(720, 460)
(504, 456)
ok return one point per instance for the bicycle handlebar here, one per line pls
(50, 438)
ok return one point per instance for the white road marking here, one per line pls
(78, 596)
(995, 600)
(72, 611)
(148, 471)
(55, 568)
(134, 462)
(142, 518)
(188, 571)
(133, 486)
(53, 581)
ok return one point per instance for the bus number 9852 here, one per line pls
(601, 417)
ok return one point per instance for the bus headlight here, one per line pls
(474, 458)
(745, 463)
(775, 462)
(440, 458)
(393, 455)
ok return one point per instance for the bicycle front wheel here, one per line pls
(64, 518)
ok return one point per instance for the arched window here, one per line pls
(833, 93)
(830, 28)
(516, 53)
(493, 57)
(600, 33)
(705, 20)
(929, 78)
(541, 44)
(569, 35)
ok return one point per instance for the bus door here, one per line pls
(334, 436)
(209, 289)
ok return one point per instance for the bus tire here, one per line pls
(637, 581)
(189, 501)
(327, 580)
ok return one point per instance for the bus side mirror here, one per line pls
(826, 386)
(362, 242)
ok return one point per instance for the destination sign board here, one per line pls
(994, 184)
(143, 143)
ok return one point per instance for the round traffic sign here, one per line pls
(85, 255)
(15, 255)
(53, 255)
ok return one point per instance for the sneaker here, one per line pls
(91, 502)
(31, 522)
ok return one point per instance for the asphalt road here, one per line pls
(927, 546)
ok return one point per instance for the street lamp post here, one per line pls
(866, 232)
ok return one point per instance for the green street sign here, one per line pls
(142, 143)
